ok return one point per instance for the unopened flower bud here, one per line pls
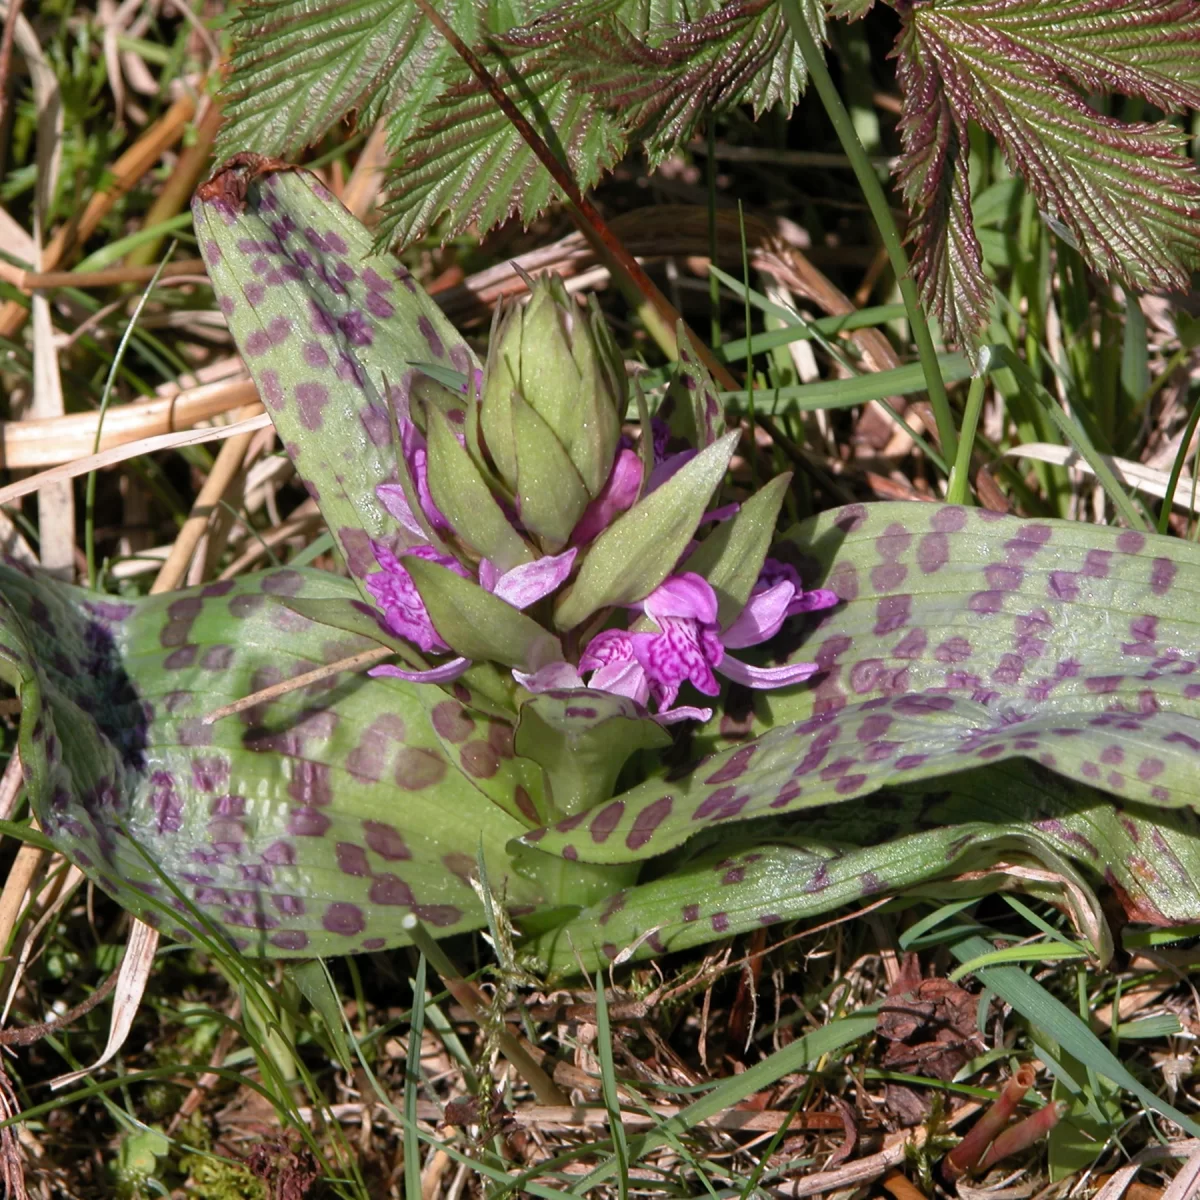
(554, 396)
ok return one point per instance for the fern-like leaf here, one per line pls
(1124, 191)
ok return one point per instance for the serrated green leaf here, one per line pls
(1127, 193)
(462, 163)
(852, 10)
(310, 825)
(731, 557)
(326, 328)
(640, 548)
(963, 637)
(585, 73)
(462, 493)
(299, 67)
(666, 80)
(476, 623)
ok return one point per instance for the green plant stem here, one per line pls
(958, 491)
(1164, 513)
(814, 60)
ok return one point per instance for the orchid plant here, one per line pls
(609, 698)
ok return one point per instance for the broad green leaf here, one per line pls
(731, 557)
(964, 637)
(327, 329)
(478, 624)
(582, 739)
(1126, 193)
(640, 548)
(741, 879)
(307, 826)
(462, 493)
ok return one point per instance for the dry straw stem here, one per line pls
(150, 445)
(177, 190)
(126, 171)
(1120, 1185)
(866, 1170)
(900, 1186)
(224, 470)
(57, 440)
(27, 281)
(365, 658)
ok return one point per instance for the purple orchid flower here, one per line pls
(406, 615)
(689, 645)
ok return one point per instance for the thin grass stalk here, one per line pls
(818, 72)
(958, 491)
(1164, 513)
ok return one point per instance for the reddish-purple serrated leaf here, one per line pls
(851, 10)
(1125, 191)
(330, 332)
(664, 83)
(947, 259)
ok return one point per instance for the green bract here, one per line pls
(554, 396)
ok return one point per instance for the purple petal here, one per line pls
(392, 497)
(550, 678)
(721, 514)
(687, 595)
(622, 679)
(608, 646)
(682, 652)
(528, 583)
(813, 601)
(619, 493)
(673, 716)
(764, 613)
(443, 674)
(668, 467)
(765, 677)
(489, 574)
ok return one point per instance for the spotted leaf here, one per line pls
(778, 871)
(964, 637)
(308, 825)
(330, 331)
